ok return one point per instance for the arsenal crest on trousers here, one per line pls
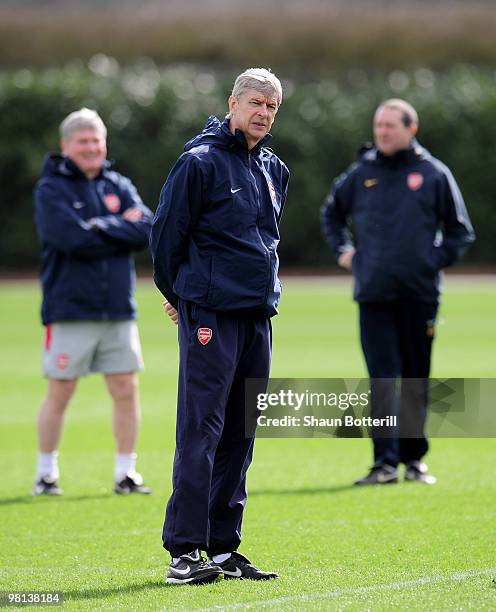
(204, 335)
(62, 361)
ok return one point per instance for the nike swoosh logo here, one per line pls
(236, 190)
(182, 572)
(236, 574)
(370, 182)
(78, 204)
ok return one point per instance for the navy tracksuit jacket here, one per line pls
(214, 246)
(87, 270)
(407, 219)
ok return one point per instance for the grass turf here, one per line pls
(336, 547)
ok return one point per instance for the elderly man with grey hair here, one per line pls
(214, 246)
(89, 219)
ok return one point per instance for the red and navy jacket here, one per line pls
(406, 217)
(88, 229)
(216, 229)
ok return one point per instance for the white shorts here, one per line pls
(74, 349)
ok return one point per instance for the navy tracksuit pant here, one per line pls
(218, 351)
(397, 341)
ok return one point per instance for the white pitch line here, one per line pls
(393, 586)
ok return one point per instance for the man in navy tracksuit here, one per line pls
(396, 218)
(214, 245)
(89, 219)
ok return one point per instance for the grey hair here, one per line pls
(408, 113)
(82, 119)
(260, 79)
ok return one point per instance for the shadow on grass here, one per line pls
(309, 491)
(40, 499)
(97, 593)
(46, 499)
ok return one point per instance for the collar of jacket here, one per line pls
(238, 140)
(400, 158)
(61, 164)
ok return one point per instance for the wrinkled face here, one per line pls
(87, 149)
(390, 133)
(253, 114)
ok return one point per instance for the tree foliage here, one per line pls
(151, 112)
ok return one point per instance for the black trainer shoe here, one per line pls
(415, 470)
(132, 483)
(378, 475)
(238, 566)
(193, 569)
(46, 486)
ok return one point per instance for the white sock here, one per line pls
(221, 558)
(124, 464)
(47, 466)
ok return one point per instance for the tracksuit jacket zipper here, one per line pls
(266, 250)
(104, 263)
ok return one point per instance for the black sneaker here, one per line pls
(415, 470)
(378, 475)
(238, 566)
(132, 483)
(46, 486)
(193, 569)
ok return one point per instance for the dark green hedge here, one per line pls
(151, 112)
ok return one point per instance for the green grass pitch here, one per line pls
(402, 547)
